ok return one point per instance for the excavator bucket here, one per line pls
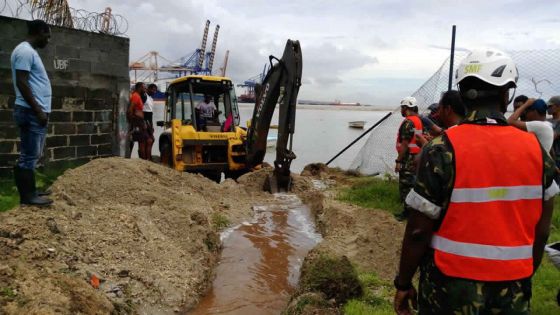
(280, 86)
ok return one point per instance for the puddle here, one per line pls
(261, 260)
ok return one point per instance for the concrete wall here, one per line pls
(90, 83)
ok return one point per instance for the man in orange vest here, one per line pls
(482, 203)
(409, 142)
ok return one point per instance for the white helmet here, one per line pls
(409, 101)
(489, 65)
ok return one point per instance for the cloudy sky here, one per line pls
(371, 52)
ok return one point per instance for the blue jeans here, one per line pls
(32, 136)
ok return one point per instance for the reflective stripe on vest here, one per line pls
(502, 193)
(488, 230)
(413, 148)
(482, 251)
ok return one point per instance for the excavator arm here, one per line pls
(280, 86)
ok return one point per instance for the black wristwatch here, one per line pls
(399, 287)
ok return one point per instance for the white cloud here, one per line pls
(366, 51)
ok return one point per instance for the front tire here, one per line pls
(166, 154)
(215, 176)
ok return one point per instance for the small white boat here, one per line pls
(357, 124)
(271, 140)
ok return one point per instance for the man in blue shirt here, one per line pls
(31, 110)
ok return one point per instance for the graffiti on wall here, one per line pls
(61, 64)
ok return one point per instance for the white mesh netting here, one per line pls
(539, 77)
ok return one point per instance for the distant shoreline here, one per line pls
(332, 107)
(319, 107)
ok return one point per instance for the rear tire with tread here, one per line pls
(166, 154)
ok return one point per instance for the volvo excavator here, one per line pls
(219, 144)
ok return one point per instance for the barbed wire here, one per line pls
(60, 14)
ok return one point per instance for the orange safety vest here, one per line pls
(413, 147)
(488, 231)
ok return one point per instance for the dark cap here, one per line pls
(432, 108)
(555, 100)
(539, 105)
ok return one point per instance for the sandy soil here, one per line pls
(150, 235)
(144, 230)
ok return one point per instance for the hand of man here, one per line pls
(401, 303)
(530, 102)
(42, 117)
(398, 167)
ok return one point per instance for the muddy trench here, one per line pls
(261, 260)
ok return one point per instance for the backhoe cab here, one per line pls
(195, 141)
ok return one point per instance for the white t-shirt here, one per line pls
(543, 131)
(206, 109)
(149, 104)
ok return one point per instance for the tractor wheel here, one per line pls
(235, 174)
(213, 175)
(166, 154)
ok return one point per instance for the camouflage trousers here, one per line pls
(407, 178)
(439, 294)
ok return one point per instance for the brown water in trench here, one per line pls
(261, 260)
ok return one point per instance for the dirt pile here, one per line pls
(254, 182)
(148, 233)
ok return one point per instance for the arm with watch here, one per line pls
(402, 153)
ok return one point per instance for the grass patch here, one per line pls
(370, 192)
(546, 282)
(8, 194)
(8, 293)
(334, 276)
(376, 298)
(44, 178)
(307, 303)
(220, 221)
(373, 192)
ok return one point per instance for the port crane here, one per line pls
(148, 67)
(250, 95)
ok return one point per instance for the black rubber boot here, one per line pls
(25, 182)
(46, 192)
(403, 215)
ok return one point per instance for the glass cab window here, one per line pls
(210, 107)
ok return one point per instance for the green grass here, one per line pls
(8, 194)
(44, 178)
(376, 193)
(376, 298)
(220, 221)
(546, 281)
(373, 192)
(8, 292)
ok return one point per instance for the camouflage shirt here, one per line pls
(436, 174)
(406, 132)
